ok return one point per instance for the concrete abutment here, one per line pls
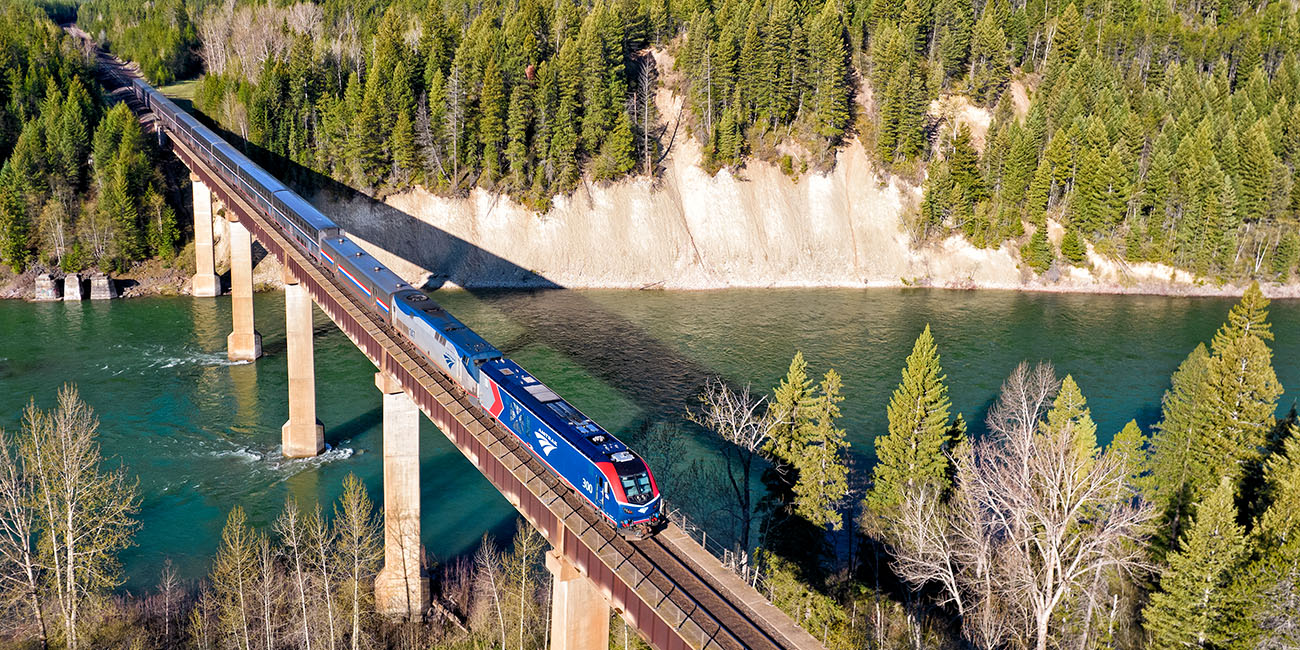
(401, 588)
(303, 435)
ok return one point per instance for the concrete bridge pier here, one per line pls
(401, 588)
(579, 612)
(244, 343)
(206, 284)
(303, 435)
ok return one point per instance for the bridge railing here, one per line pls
(738, 561)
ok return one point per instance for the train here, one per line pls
(610, 477)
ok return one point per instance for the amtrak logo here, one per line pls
(545, 442)
(451, 363)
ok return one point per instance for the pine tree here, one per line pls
(1073, 247)
(1130, 446)
(791, 405)
(491, 125)
(821, 464)
(617, 152)
(15, 225)
(913, 452)
(1286, 255)
(1178, 475)
(1069, 418)
(1195, 605)
(990, 70)
(831, 83)
(365, 137)
(406, 158)
(1037, 252)
(518, 120)
(964, 164)
(1242, 387)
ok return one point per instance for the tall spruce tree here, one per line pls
(791, 405)
(1195, 605)
(920, 432)
(1178, 475)
(823, 470)
(1242, 386)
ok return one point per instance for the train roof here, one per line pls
(421, 306)
(350, 253)
(255, 172)
(293, 201)
(588, 437)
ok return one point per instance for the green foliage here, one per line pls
(914, 452)
(1242, 387)
(791, 405)
(1037, 252)
(1073, 248)
(161, 36)
(77, 186)
(1195, 606)
(810, 609)
(821, 464)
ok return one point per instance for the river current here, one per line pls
(202, 434)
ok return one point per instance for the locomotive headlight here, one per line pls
(627, 510)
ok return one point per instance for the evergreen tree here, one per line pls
(518, 120)
(990, 69)
(1242, 386)
(791, 405)
(1130, 445)
(913, 453)
(1195, 605)
(831, 83)
(15, 225)
(405, 156)
(1037, 253)
(1073, 247)
(1178, 475)
(618, 150)
(821, 464)
(1069, 418)
(491, 126)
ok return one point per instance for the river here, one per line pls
(202, 434)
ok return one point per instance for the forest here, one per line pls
(79, 185)
(1147, 131)
(1020, 531)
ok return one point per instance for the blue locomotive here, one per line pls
(609, 476)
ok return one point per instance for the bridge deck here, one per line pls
(675, 593)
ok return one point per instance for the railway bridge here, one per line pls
(668, 587)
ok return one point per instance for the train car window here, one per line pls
(636, 487)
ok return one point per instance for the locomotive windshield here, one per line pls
(637, 487)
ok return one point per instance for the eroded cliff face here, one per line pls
(684, 230)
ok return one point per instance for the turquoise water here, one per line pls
(202, 434)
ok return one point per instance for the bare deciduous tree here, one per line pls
(1036, 515)
(20, 575)
(85, 514)
(357, 536)
(487, 563)
(293, 537)
(740, 420)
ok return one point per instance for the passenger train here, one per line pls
(609, 476)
